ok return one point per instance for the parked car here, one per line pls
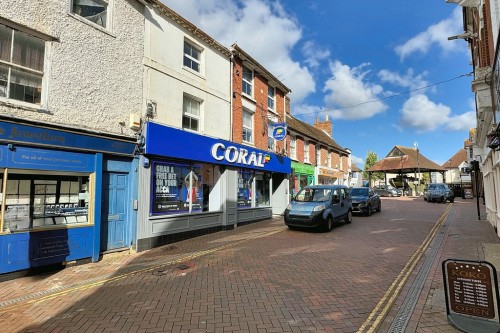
(439, 192)
(319, 206)
(365, 200)
(387, 191)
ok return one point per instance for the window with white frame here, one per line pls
(271, 141)
(247, 126)
(270, 98)
(293, 147)
(95, 11)
(192, 57)
(306, 151)
(328, 159)
(340, 163)
(191, 113)
(247, 81)
(21, 65)
(318, 155)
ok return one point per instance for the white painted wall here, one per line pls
(93, 76)
(167, 80)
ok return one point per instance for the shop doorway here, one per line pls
(115, 211)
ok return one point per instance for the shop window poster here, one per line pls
(244, 189)
(172, 192)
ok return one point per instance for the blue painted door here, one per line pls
(115, 211)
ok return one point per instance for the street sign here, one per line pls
(471, 295)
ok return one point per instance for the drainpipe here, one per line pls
(231, 92)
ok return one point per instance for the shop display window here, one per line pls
(37, 201)
(250, 182)
(262, 189)
(180, 188)
(245, 184)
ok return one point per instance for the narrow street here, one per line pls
(260, 277)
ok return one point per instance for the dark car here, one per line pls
(319, 206)
(439, 192)
(387, 191)
(365, 200)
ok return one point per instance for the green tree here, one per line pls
(371, 159)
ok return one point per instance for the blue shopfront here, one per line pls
(198, 182)
(57, 193)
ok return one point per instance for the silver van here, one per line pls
(319, 206)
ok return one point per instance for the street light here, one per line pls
(415, 144)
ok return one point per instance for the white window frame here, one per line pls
(318, 155)
(187, 114)
(10, 66)
(293, 147)
(109, 9)
(191, 58)
(271, 141)
(271, 98)
(328, 159)
(306, 151)
(245, 81)
(248, 128)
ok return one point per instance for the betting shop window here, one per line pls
(181, 188)
(21, 65)
(95, 11)
(262, 189)
(192, 57)
(245, 188)
(47, 200)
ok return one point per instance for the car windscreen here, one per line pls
(359, 192)
(313, 194)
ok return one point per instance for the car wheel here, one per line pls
(369, 211)
(452, 200)
(348, 217)
(292, 227)
(379, 208)
(390, 195)
(329, 223)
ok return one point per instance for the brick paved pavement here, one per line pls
(245, 281)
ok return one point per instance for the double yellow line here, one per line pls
(378, 314)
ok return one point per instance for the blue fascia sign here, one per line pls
(166, 141)
(279, 132)
(19, 133)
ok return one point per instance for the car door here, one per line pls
(337, 204)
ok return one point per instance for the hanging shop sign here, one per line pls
(279, 132)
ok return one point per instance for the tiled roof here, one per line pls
(456, 160)
(312, 132)
(355, 168)
(404, 159)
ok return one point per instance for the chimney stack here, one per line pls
(325, 126)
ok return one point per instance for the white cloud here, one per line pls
(359, 161)
(349, 96)
(314, 54)
(436, 34)
(409, 80)
(263, 29)
(422, 114)
(463, 122)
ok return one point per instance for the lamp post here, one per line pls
(415, 144)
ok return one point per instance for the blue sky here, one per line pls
(384, 72)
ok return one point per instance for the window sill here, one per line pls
(192, 71)
(22, 105)
(48, 228)
(248, 97)
(92, 24)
